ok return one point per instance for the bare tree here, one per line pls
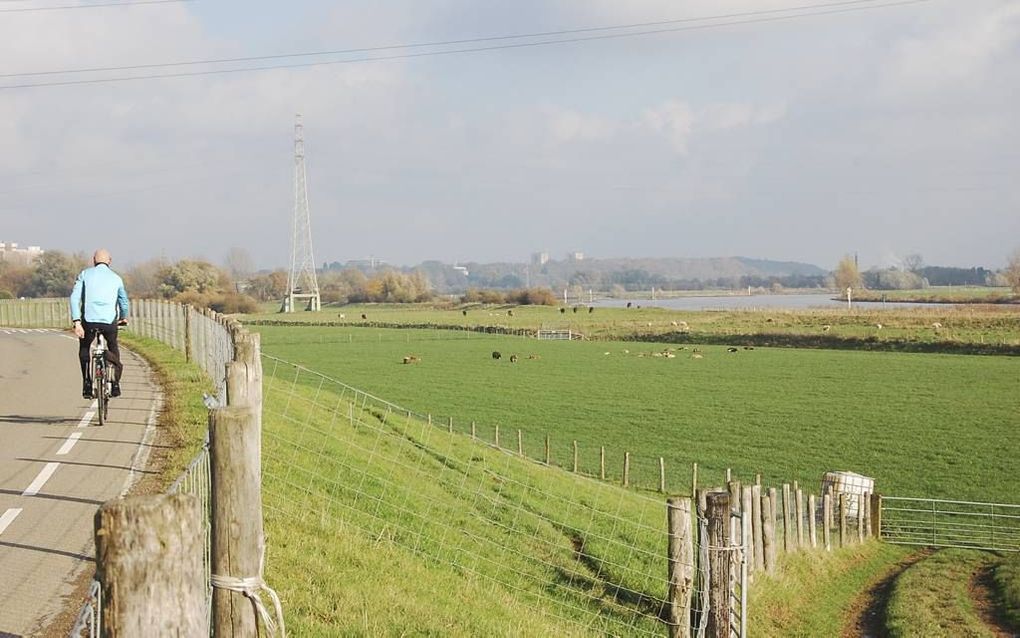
(1012, 271)
(847, 274)
(913, 262)
(239, 264)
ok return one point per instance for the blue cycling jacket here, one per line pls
(104, 294)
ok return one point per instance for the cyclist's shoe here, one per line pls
(86, 390)
(115, 389)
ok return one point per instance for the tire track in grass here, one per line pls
(867, 615)
(988, 603)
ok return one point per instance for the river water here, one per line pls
(753, 302)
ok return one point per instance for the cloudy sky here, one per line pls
(885, 131)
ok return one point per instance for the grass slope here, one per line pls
(921, 424)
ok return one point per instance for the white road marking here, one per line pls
(95, 404)
(40, 480)
(69, 443)
(86, 419)
(8, 518)
(141, 457)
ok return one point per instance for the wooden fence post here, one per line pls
(662, 475)
(788, 539)
(746, 516)
(474, 431)
(626, 469)
(547, 452)
(768, 533)
(450, 426)
(149, 564)
(497, 435)
(694, 481)
(876, 515)
(799, 510)
(237, 537)
(719, 575)
(681, 567)
(827, 520)
(602, 462)
(842, 520)
(575, 456)
(756, 528)
(520, 443)
(860, 517)
(812, 527)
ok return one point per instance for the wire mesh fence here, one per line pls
(588, 556)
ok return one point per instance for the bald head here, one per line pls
(101, 256)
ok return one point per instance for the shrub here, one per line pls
(230, 303)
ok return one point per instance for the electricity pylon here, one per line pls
(301, 283)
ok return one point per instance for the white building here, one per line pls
(11, 253)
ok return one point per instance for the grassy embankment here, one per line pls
(943, 294)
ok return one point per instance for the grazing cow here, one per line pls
(496, 354)
(510, 313)
(731, 349)
(591, 309)
(513, 358)
(463, 312)
(748, 347)
(364, 316)
(575, 310)
(562, 310)
(628, 304)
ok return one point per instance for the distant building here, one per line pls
(462, 270)
(575, 256)
(539, 259)
(11, 253)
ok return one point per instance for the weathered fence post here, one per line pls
(681, 567)
(449, 426)
(662, 474)
(694, 481)
(497, 435)
(149, 564)
(756, 528)
(768, 533)
(746, 516)
(520, 443)
(626, 469)
(812, 527)
(876, 515)
(788, 540)
(602, 462)
(827, 520)
(860, 517)
(719, 581)
(842, 520)
(575, 456)
(547, 452)
(474, 431)
(799, 510)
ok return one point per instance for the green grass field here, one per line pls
(920, 424)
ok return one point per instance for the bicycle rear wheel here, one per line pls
(102, 398)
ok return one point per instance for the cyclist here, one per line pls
(99, 304)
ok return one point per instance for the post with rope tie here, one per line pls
(238, 541)
(719, 574)
(149, 565)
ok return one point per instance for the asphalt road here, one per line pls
(57, 465)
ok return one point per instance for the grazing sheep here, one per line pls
(936, 325)
(341, 316)
(731, 349)
(878, 325)
(496, 354)
(626, 352)
(670, 355)
(695, 349)
(697, 355)
(826, 328)
(364, 316)
(412, 359)
(748, 347)
(676, 325)
(513, 358)
(606, 353)
(534, 356)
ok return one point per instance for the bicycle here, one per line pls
(102, 380)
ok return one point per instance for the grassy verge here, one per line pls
(1007, 582)
(184, 418)
(932, 597)
(813, 593)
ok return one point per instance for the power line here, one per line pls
(89, 6)
(873, 4)
(538, 34)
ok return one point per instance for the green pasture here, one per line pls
(924, 425)
(948, 326)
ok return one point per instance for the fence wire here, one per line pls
(941, 523)
(592, 555)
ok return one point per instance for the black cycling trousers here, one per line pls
(109, 331)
